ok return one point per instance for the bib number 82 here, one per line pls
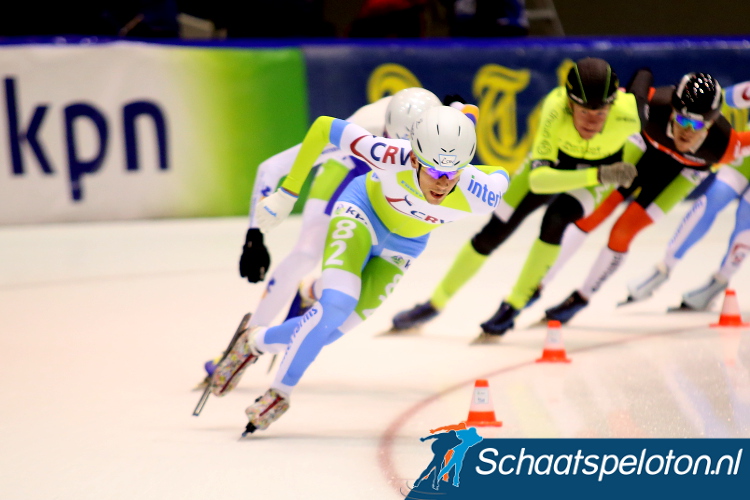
(344, 230)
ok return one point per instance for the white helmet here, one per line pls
(444, 139)
(405, 107)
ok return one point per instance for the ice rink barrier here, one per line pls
(107, 130)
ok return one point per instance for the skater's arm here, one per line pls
(739, 147)
(270, 172)
(641, 86)
(313, 144)
(277, 206)
(545, 179)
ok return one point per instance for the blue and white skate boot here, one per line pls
(228, 372)
(643, 288)
(701, 298)
(266, 410)
(568, 308)
(416, 316)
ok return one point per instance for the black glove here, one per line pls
(255, 259)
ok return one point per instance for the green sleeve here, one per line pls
(549, 180)
(315, 140)
(631, 153)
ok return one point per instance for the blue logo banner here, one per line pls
(466, 466)
(506, 79)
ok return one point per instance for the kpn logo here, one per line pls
(453, 447)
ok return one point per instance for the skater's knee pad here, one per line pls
(718, 195)
(604, 210)
(337, 307)
(630, 223)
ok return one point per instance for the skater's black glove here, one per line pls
(255, 259)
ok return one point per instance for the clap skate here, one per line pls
(414, 317)
(210, 367)
(701, 298)
(568, 308)
(643, 288)
(242, 328)
(266, 410)
(497, 325)
(230, 369)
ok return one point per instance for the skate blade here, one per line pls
(206, 388)
(202, 384)
(249, 429)
(538, 324)
(395, 332)
(629, 300)
(272, 363)
(486, 339)
(682, 308)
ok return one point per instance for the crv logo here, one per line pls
(78, 166)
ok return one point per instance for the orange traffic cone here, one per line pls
(554, 351)
(730, 311)
(481, 411)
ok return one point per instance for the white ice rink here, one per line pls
(104, 329)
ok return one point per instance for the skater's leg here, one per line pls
(308, 249)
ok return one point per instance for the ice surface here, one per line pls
(104, 329)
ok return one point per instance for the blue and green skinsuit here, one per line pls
(379, 225)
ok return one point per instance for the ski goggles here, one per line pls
(437, 174)
(694, 123)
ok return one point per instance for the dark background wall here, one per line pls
(652, 17)
(600, 17)
(335, 18)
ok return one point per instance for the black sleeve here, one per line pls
(640, 86)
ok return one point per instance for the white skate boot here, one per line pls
(643, 288)
(266, 410)
(228, 372)
(700, 299)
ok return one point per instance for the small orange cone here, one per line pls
(730, 311)
(481, 411)
(554, 351)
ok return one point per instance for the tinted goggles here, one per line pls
(686, 121)
(437, 174)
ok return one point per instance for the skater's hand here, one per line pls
(255, 259)
(622, 173)
(273, 209)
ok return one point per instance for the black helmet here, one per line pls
(592, 83)
(699, 95)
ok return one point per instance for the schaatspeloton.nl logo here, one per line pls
(466, 465)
